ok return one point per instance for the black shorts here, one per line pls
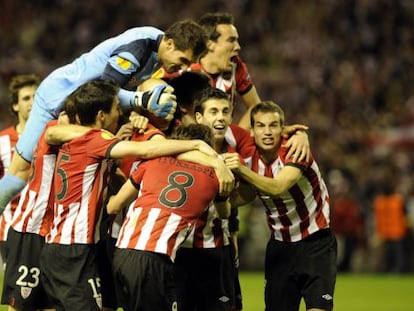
(104, 256)
(145, 280)
(301, 269)
(3, 253)
(204, 278)
(22, 285)
(238, 298)
(70, 276)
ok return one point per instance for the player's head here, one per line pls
(188, 87)
(97, 104)
(22, 89)
(183, 43)
(267, 119)
(222, 38)
(68, 114)
(214, 109)
(193, 131)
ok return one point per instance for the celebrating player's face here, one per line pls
(110, 122)
(177, 60)
(217, 116)
(25, 101)
(227, 46)
(267, 130)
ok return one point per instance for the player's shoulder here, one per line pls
(150, 132)
(238, 131)
(9, 131)
(52, 123)
(99, 134)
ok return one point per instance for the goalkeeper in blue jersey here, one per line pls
(128, 58)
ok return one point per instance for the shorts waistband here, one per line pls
(319, 235)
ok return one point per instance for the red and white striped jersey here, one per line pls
(34, 212)
(300, 211)
(237, 81)
(80, 183)
(211, 231)
(129, 165)
(173, 194)
(8, 140)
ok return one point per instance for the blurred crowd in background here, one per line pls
(344, 68)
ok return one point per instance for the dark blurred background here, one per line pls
(344, 68)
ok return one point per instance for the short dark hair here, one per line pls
(70, 109)
(93, 96)
(187, 34)
(209, 93)
(209, 22)
(193, 131)
(188, 87)
(267, 106)
(17, 83)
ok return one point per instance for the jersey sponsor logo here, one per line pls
(123, 63)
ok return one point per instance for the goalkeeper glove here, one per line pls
(159, 100)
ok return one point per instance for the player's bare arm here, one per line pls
(224, 175)
(243, 192)
(158, 148)
(123, 198)
(283, 181)
(251, 98)
(223, 208)
(61, 133)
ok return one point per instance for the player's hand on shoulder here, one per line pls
(291, 129)
(138, 122)
(299, 148)
(205, 148)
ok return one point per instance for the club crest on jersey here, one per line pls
(106, 135)
(25, 292)
(123, 63)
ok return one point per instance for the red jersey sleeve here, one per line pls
(128, 164)
(243, 80)
(240, 140)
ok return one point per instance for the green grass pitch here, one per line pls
(355, 292)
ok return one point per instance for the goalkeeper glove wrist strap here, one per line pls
(141, 99)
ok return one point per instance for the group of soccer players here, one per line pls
(116, 212)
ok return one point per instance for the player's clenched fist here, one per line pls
(159, 100)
